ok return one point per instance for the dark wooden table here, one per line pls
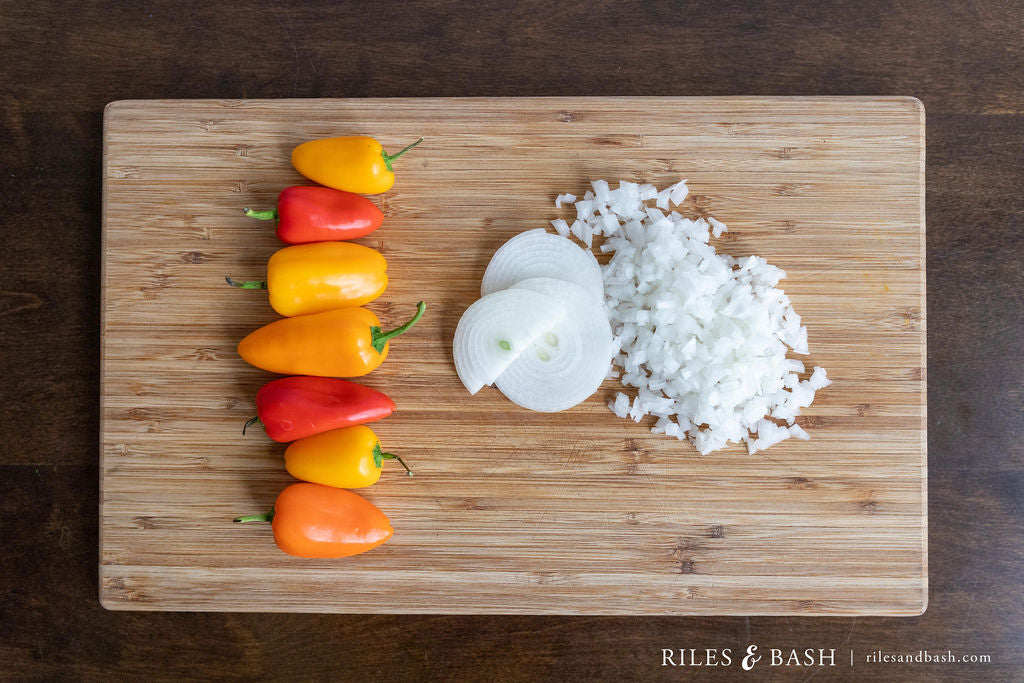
(61, 62)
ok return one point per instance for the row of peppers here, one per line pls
(319, 284)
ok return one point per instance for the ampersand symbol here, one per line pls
(751, 659)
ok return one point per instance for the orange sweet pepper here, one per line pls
(311, 520)
(353, 164)
(345, 342)
(347, 458)
(310, 278)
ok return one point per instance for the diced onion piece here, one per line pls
(677, 193)
(537, 253)
(561, 227)
(496, 329)
(818, 379)
(717, 227)
(567, 363)
(798, 432)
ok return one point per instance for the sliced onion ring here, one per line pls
(496, 329)
(568, 361)
(537, 253)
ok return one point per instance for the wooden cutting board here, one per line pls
(512, 511)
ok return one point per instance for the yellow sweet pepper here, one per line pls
(346, 458)
(354, 164)
(312, 278)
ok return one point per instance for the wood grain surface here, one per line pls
(512, 511)
(63, 62)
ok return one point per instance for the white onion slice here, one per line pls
(566, 364)
(537, 253)
(496, 329)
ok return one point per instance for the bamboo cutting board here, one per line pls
(512, 511)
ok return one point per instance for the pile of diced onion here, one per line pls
(702, 337)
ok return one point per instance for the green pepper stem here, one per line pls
(388, 158)
(262, 517)
(246, 284)
(379, 338)
(392, 456)
(262, 214)
(251, 422)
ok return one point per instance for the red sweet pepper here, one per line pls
(293, 408)
(320, 214)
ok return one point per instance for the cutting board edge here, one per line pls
(111, 600)
(104, 221)
(923, 241)
(113, 108)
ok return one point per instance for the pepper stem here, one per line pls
(251, 422)
(262, 517)
(392, 456)
(246, 284)
(262, 214)
(388, 158)
(379, 458)
(379, 339)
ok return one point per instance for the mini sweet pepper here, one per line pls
(347, 458)
(307, 214)
(311, 278)
(354, 163)
(345, 342)
(312, 520)
(293, 408)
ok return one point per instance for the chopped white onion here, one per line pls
(569, 198)
(701, 336)
(818, 379)
(537, 253)
(798, 432)
(561, 227)
(718, 227)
